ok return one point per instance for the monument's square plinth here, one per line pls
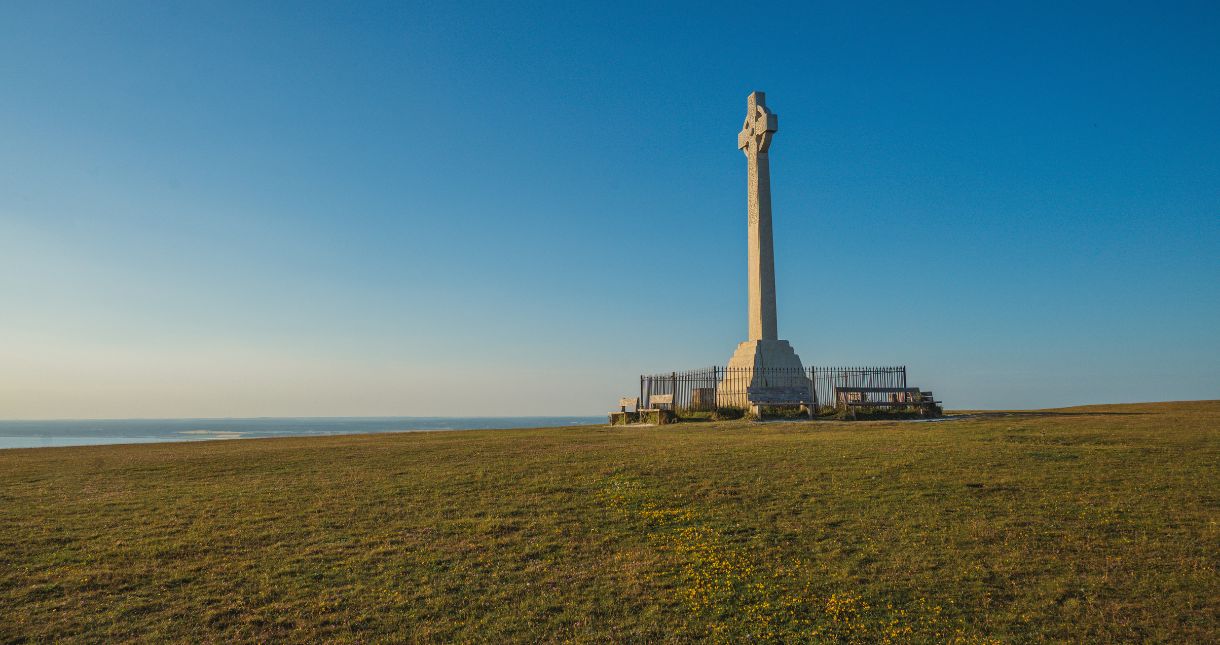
(759, 364)
(766, 355)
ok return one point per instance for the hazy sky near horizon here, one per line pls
(299, 209)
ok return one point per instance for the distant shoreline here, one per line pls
(90, 432)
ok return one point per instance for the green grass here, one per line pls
(1090, 525)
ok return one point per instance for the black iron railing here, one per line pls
(725, 387)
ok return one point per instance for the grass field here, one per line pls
(1094, 524)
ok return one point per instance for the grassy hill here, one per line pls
(1088, 524)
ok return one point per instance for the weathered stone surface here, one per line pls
(624, 418)
(655, 417)
(773, 355)
(760, 363)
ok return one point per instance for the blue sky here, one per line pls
(247, 209)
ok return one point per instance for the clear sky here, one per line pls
(289, 209)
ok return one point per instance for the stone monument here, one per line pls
(772, 361)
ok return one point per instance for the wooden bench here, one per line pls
(778, 397)
(853, 398)
(660, 399)
(652, 414)
(898, 395)
(628, 411)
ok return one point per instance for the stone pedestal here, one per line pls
(770, 354)
(759, 363)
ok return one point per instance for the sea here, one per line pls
(87, 432)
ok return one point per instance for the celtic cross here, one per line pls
(760, 126)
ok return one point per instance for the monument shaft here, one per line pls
(763, 361)
(761, 255)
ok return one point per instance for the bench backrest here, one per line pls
(859, 394)
(632, 402)
(875, 390)
(661, 399)
(779, 395)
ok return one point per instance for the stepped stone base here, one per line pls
(759, 363)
